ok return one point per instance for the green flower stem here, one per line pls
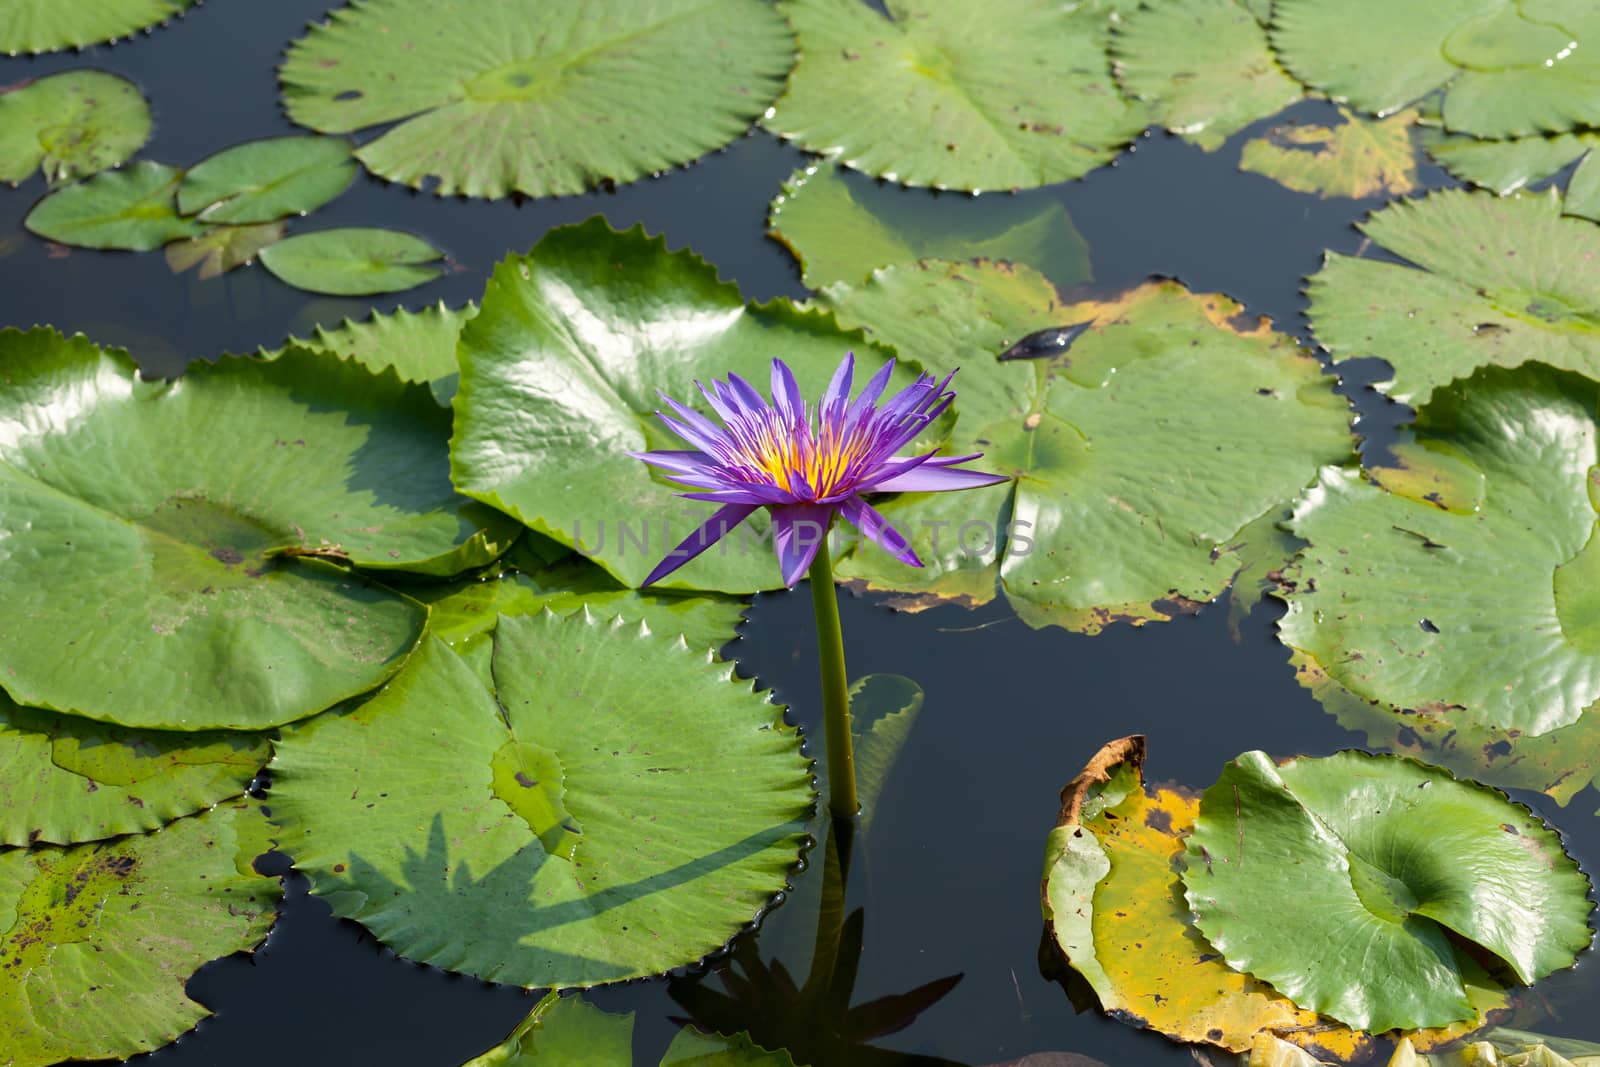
(835, 689)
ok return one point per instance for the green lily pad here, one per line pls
(353, 261)
(1559, 763)
(401, 827)
(1304, 874)
(1007, 95)
(1100, 524)
(1115, 912)
(1502, 281)
(267, 180)
(65, 780)
(419, 345)
(1507, 166)
(568, 1029)
(1389, 597)
(51, 26)
(1204, 66)
(1508, 67)
(560, 372)
(1359, 158)
(842, 229)
(97, 941)
(219, 250)
(537, 96)
(134, 209)
(182, 560)
(71, 125)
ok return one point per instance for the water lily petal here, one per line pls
(839, 388)
(937, 477)
(798, 530)
(879, 530)
(708, 534)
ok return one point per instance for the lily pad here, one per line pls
(1100, 524)
(353, 261)
(1389, 597)
(183, 560)
(1304, 874)
(219, 250)
(134, 209)
(1359, 158)
(1204, 66)
(1114, 909)
(97, 941)
(402, 827)
(267, 180)
(71, 125)
(51, 26)
(65, 780)
(419, 345)
(1502, 281)
(842, 229)
(1508, 68)
(568, 1029)
(1007, 95)
(537, 97)
(560, 376)
(1507, 166)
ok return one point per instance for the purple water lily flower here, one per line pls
(806, 469)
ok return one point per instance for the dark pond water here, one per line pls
(949, 879)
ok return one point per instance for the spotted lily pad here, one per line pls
(560, 376)
(538, 97)
(353, 261)
(1100, 524)
(65, 780)
(1507, 166)
(1501, 281)
(1359, 158)
(71, 125)
(568, 1029)
(1006, 95)
(134, 209)
(1508, 68)
(51, 26)
(395, 810)
(841, 228)
(1303, 874)
(1114, 910)
(1204, 65)
(97, 941)
(1389, 597)
(262, 181)
(221, 249)
(185, 560)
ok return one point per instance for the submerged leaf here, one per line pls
(97, 941)
(1508, 67)
(1204, 66)
(1359, 158)
(1010, 94)
(1389, 598)
(65, 780)
(1114, 907)
(1303, 874)
(401, 828)
(51, 26)
(1501, 281)
(561, 374)
(354, 261)
(539, 97)
(267, 180)
(134, 209)
(72, 124)
(220, 250)
(841, 229)
(181, 558)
